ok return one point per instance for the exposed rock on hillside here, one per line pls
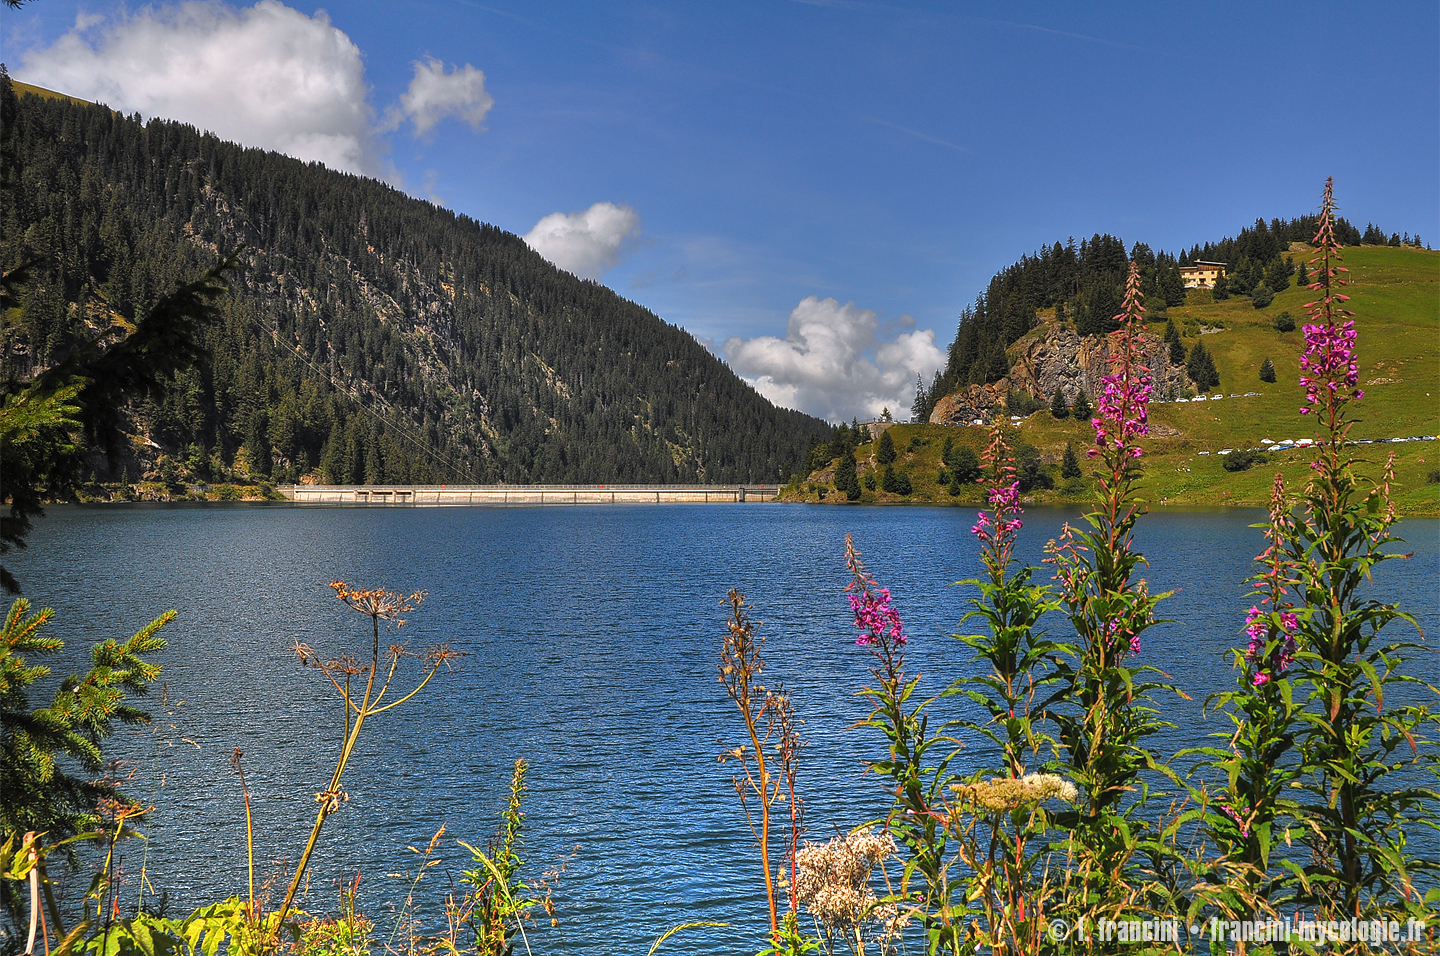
(1056, 357)
(971, 403)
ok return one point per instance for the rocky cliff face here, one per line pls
(971, 404)
(1058, 358)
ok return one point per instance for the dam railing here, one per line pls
(528, 495)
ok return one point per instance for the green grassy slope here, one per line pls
(42, 92)
(1395, 294)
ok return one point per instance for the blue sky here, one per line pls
(764, 159)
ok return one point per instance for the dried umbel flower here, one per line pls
(382, 604)
(832, 879)
(1003, 794)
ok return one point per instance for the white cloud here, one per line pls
(833, 364)
(586, 243)
(435, 94)
(266, 76)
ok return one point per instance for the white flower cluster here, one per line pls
(832, 879)
(1003, 794)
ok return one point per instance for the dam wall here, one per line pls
(501, 496)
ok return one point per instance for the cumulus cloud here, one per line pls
(267, 76)
(586, 243)
(833, 363)
(435, 94)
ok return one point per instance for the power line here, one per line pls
(400, 425)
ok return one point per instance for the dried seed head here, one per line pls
(380, 603)
(832, 879)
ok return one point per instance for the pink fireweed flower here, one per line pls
(1006, 502)
(1272, 643)
(1239, 820)
(876, 617)
(1329, 365)
(997, 533)
(1127, 628)
(1122, 412)
(1328, 369)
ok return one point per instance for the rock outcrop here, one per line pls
(972, 403)
(1056, 357)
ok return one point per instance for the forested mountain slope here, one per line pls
(371, 337)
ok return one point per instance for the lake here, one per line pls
(593, 636)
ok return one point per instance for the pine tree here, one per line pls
(895, 482)
(920, 410)
(999, 365)
(1277, 277)
(1082, 409)
(885, 450)
(50, 757)
(1172, 284)
(964, 466)
(1221, 291)
(1201, 368)
(1058, 407)
(1267, 371)
(1302, 274)
(1070, 465)
(1172, 340)
(846, 477)
(125, 492)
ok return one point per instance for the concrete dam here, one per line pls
(502, 496)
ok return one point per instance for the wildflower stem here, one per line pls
(377, 604)
(329, 800)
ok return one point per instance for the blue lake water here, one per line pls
(593, 636)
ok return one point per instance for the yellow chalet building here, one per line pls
(1202, 275)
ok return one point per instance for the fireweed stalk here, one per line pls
(917, 781)
(1103, 707)
(996, 840)
(1254, 809)
(1015, 650)
(1359, 751)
